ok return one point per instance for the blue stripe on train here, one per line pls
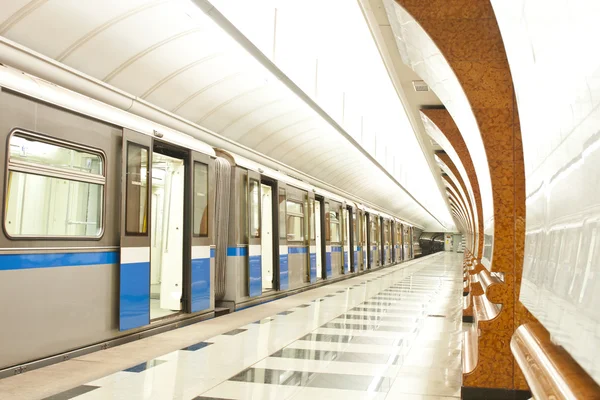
(283, 272)
(134, 295)
(49, 260)
(297, 250)
(201, 283)
(237, 251)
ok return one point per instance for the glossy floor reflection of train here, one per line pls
(393, 333)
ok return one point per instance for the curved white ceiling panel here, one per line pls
(172, 55)
(420, 53)
(555, 65)
(436, 134)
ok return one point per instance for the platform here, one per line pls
(392, 333)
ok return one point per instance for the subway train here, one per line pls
(431, 242)
(115, 227)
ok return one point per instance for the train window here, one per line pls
(311, 222)
(327, 223)
(282, 214)
(354, 238)
(53, 189)
(373, 231)
(295, 221)
(334, 218)
(200, 199)
(136, 198)
(254, 198)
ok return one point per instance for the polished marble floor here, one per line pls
(394, 333)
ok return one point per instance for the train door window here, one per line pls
(282, 214)
(318, 239)
(166, 261)
(354, 231)
(327, 223)
(55, 189)
(311, 222)
(253, 197)
(334, 220)
(200, 199)
(295, 221)
(266, 237)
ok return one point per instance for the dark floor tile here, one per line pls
(330, 295)
(303, 306)
(341, 356)
(331, 338)
(197, 346)
(365, 327)
(235, 332)
(285, 313)
(71, 393)
(379, 318)
(209, 398)
(263, 321)
(144, 366)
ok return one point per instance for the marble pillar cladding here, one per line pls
(443, 120)
(467, 34)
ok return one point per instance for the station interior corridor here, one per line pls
(299, 199)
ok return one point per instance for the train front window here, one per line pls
(53, 189)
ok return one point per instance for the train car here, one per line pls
(115, 227)
(107, 224)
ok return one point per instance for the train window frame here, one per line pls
(282, 207)
(254, 205)
(200, 234)
(148, 182)
(300, 215)
(335, 222)
(51, 172)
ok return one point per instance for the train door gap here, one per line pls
(267, 236)
(319, 235)
(167, 234)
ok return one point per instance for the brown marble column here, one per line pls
(467, 34)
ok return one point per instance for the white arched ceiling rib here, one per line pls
(555, 66)
(454, 179)
(420, 53)
(172, 55)
(436, 134)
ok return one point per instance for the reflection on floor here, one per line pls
(391, 334)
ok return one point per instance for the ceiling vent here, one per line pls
(420, 86)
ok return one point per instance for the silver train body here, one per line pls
(114, 227)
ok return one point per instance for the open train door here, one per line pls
(134, 270)
(254, 233)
